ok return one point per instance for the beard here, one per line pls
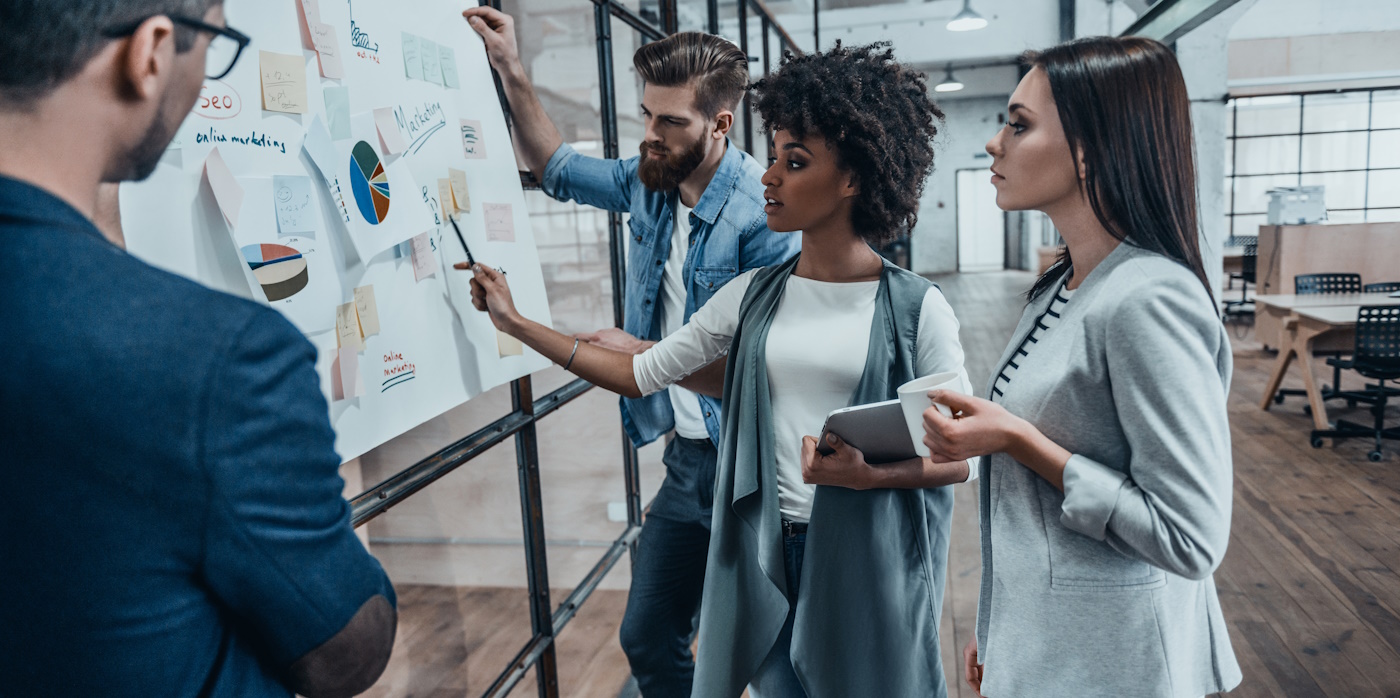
(142, 159)
(667, 173)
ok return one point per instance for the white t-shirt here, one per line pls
(690, 420)
(816, 352)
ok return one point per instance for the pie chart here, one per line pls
(369, 182)
(281, 270)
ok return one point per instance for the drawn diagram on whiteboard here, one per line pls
(280, 270)
(370, 183)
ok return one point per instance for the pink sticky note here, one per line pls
(425, 261)
(309, 14)
(327, 48)
(500, 222)
(389, 130)
(227, 191)
(346, 382)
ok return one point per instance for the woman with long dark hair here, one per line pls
(1106, 481)
(825, 574)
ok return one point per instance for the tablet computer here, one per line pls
(877, 429)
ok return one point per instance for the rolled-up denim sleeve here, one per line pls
(600, 182)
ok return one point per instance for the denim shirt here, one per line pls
(729, 235)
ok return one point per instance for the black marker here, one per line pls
(462, 240)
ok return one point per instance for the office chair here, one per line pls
(1377, 356)
(1382, 287)
(1248, 264)
(1309, 284)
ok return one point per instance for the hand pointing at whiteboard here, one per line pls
(491, 294)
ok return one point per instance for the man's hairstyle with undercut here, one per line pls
(47, 42)
(714, 66)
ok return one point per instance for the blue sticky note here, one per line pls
(448, 58)
(337, 111)
(432, 63)
(413, 57)
(296, 212)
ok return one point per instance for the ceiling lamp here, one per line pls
(949, 84)
(967, 20)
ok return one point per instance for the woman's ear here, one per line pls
(851, 188)
(1079, 164)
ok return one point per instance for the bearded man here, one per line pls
(696, 222)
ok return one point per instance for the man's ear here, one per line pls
(148, 59)
(723, 122)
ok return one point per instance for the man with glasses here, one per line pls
(174, 522)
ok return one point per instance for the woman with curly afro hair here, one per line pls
(825, 574)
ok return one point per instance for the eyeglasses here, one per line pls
(224, 49)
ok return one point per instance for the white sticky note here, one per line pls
(227, 191)
(432, 63)
(368, 310)
(283, 82)
(291, 196)
(500, 222)
(425, 262)
(389, 130)
(447, 59)
(327, 45)
(473, 147)
(337, 111)
(347, 327)
(412, 58)
(347, 382)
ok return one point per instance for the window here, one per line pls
(1348, 142)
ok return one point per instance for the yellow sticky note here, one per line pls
(458, 179)
(449, 204)
(508, 345)
(283, 82)
(368, 310)
(347, 328)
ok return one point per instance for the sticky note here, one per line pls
(347, 328)
(309, 14)
(389, 130)
(327, 46)
(291, 197)
(432, 63)
(412, 59)
(472, 146)
(445, 198)
(337, 111)
(508, 345)
(368, 310)
(447, 58)
(227, 191)
(346, 382)
(500, 222)
(458, 180)
(283, 82)
(425, 262)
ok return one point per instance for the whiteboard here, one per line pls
(433, 351)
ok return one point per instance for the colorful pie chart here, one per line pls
(281, 270)
(369, 182)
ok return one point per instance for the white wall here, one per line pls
(960, 145)
(1279, 18)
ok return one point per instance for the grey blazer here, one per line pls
(1106, 589)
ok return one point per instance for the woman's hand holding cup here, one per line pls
(980, 427)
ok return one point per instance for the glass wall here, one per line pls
(1348, 142)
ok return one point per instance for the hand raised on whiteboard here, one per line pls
(497, 29)
(491, 294)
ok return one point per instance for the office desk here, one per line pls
(1310, 323)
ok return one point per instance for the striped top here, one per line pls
(1047, 320)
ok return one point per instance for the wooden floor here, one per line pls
(1310, 585)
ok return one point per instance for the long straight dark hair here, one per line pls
(1123, 104)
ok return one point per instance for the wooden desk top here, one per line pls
(1289, 301)
(1335, 315)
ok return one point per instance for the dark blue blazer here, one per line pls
(172, 520)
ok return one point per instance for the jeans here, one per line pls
(775, 677)
(668, 576)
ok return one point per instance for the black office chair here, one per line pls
(1309, 284)
(1382, 287)
(1377, 356)
(1248, 264)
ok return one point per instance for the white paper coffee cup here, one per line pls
(913, 399)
